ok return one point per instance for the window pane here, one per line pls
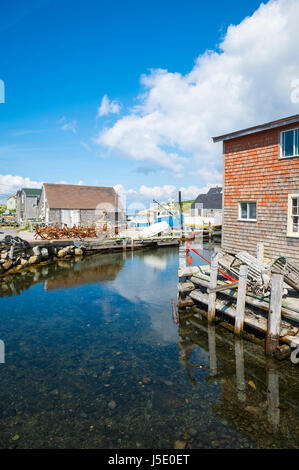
(295, 224)
(252, 210)
(295, 206)
(243, 210)
(288, 143)
(297, 142)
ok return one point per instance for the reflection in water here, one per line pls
(64, 274)
(93, 360)
(240, 373)
(250, 399)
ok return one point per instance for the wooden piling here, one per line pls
(273, 394)
(212, 349)
(182, 257)
(187, 271)
(210, 232)
(240, 370)
(124, 244)
(240, 312)
(212, 285)
(274, 318)
(260, 251)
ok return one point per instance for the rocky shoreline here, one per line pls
(13, 259)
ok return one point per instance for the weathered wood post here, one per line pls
(210, 232)
(124, 244)
(240, 372)
(212, 349)
(182, 264)
(212, 285)
(132, 244)
(260, 251)
(182, 257)
(181, 214)
(273, 394)
(274, 317)
(240, 312)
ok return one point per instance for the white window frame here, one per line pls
(290, 232)
(281, 144)
(239, 211)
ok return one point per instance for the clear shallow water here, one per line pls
(93, 360)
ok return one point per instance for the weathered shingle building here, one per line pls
(207, 205)
(80, 205)
(27, 201)
(261, 188)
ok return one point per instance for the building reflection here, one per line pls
(64, 274)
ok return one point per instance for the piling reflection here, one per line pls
(259, 396)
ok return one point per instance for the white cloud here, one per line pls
(86, 146)
(161, 193)
(10, 184)
(120, 189)
(249, 80)
(191, 192)
(67, 126)
(108, 107)
(158, 192)
(70, 126)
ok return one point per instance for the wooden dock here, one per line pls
(95, 245)
(272, 318)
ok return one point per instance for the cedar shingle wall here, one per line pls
(254, 172)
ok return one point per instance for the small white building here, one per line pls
(11, 203)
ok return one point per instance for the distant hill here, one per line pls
(185, 205)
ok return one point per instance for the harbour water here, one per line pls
(94, 360)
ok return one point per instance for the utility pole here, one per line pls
(181, 211)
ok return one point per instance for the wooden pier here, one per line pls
(95, 245)
(234, 305)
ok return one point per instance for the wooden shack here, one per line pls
(80, 205)
(261, 188)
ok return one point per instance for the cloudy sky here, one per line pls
(128, 93)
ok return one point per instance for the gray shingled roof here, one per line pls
(211, 200)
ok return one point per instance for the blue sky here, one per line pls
(78, 110)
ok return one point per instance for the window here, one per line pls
(293, 215)
(289, 143)
(247, 210)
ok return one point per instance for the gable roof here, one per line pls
(74, 196)
(32, 191)
(261, 127)
(211, 200)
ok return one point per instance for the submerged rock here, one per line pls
(36, 250)
(44, 253)
(112, 405)
(7, 265)
(179, 445)
(34, 259)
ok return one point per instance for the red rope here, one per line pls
(189, 247)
